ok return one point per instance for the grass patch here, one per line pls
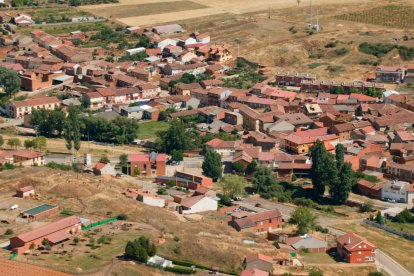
(64, 29)
(315, 65)
(149, 129)
(404, 227)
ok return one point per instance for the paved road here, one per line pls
(11, 122)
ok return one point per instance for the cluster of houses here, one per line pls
(24, 158)
(350, 248)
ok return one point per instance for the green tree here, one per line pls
(212, 166)
(28, 144)
(341, 185)
(177, 155)
(323, 170)
(1, 141)
(238, 167)
(233, 185)
(404, 216)
(340, 155)
(39, 142)
(177, 137)
(72, 129)
(263, 179)
(304, 219)
(9, 81)
(14, 142)
(379, 218)
(123, 161)
(251, 168)
(104, 159)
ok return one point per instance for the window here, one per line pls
(359, 252)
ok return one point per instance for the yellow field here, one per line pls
(155, 12)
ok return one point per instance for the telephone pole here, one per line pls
(310, 25)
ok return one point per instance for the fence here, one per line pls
(12, 256)
(98, 223)
(407, 236)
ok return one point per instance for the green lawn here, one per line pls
(149, 130)
(405, 227)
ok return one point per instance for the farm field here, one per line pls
(148, 9)
(213, 7)
(396, 16)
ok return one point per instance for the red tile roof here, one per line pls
(36, 101)
(49, 229)
(15, 268)
(350, 240)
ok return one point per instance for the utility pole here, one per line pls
(317, 21)
(310, 25)
(268, 16)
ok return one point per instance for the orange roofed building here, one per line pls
(355, 249)
(21, 108)
(147, 164)
(55, 232)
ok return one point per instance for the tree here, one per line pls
(379, 218)
(177, 137)
(139, 249)
(72, 129)
(304, 219)
(212, 166)
(404, 216)
(104, 159)
(177, 155)
(323, 170)
(315, 273)
(9, 81)
(137, 171)
(339, 155)
(233, 185)
(251, 168)
(1, 141)
(341, 185)
(74, 3)
(39, 142)
(9, 231)
(238, 167)
(123, 161)
(367, 207)
(32, 246)
(263, 179)
(28, 144)
(76, 240)
(376, 273)
(14, 142)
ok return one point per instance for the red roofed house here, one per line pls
(197, 204)
(55, 232)
(26, 191)
(254, 272)
(355, 249)
(260, 222)
(258, 261)
(224, 148)
(104, 169)
(21, 108)
(147, 164)
(27, 158)
(300, 142)
(23, 20)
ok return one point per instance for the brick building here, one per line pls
(259, 222)
(147, 164)
(352, 248)
(55, 232)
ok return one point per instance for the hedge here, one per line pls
(190, 263)
(180, 269)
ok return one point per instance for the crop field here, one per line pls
(162, 11)
(396, 16)
(148, 9)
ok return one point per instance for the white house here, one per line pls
(158, 261)
(400, 191)
(186, 40)
(197, 204)
(164, 43)
(203, 38)
(151, 199)
(104, 169)
(131, 52)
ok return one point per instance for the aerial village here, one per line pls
(281, 163)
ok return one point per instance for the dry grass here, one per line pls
(136, 10)
(386, 242)
(208, 241)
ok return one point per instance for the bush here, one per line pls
(9, 232)
(321, 229)
(57, 166)
(341, 52)
(293, 30)
(316, 56)
(122, 217)
(331, 44)
(335, 69)
(367, 207)
(180, 270)
(67, 212)
(305, 202)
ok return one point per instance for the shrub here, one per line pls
(321, 229)
(316, 56)
(9, 232)
(293, 30)
(122, 217)
(181, 270)
(335, 69)
(57, 166)
(305, 202)
(341, 52)
(367, 207)
(331, 44)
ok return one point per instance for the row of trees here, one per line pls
(76, 127)
(331, 172)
